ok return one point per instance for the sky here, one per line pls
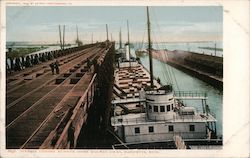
(169, 23)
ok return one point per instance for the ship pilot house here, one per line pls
(163, 119)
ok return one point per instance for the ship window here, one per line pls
(168, 107)
(172, 106)
(155, 108)
(151, 129)
(170, 128)
(191, 128)
(162, 108)
(137, 129)
(187, 113)
(150, 107)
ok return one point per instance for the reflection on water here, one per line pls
(186, 82)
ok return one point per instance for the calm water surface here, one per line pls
(186, 82)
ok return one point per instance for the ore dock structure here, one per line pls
(45, 111)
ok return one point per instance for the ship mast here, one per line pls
(107, 32)
(128, 45)
(62, 40)
(77, 37)
(120, 36)
(150, 52)
(63, 36)
(60, 36)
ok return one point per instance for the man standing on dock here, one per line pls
(57, 67)
(52, 66)
(89, 65)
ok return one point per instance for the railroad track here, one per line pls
(19, 92)
(32, 113)
(25, 96)
(26, 76)
(58, 114)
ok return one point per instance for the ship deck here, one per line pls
(141, 118)
(130, 80)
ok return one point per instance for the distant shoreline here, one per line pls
(211, 48)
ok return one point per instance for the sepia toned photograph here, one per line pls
(120, 77)
(105, 77)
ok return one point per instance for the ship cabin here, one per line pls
(164, 118)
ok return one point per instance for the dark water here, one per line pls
(186, 82)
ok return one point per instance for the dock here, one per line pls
(207, 68)
(46, 111)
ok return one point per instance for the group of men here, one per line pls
(53, 66)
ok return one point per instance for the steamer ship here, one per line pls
(148, 114)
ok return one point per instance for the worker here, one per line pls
(52, 67)
(18, 66)
(88, 64)
(8, 68)
(95, 65)
(57, 67)
(158, 80)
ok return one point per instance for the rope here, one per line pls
(166, 72)
(170, 69)
(140, 47)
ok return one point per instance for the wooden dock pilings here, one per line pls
(94, 133)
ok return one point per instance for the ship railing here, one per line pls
(175, 118)
(122, 120)
(127, 100)
(178, 118)
(213, 114)
(196, 117)
(190, 95)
